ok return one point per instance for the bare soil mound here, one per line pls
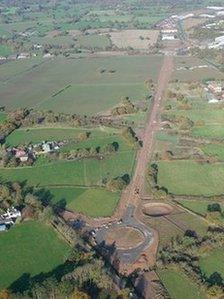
(157, 209)
(124, 237)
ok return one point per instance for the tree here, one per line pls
(214, 207)
(215, 279)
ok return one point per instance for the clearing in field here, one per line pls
(185, 177)
(59, 84)
(31, 248)
(179, 285)
(136, 39)
(93, 202)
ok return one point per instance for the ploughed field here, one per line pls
(83, 86)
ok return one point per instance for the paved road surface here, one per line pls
(128, 255)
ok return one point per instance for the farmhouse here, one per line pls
(215, 87)
(215, 91)
(218, 43)
(37, 46)
(23, 56)
(48, 55)
(45, 147)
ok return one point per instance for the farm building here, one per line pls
(215, 87)
(23, 56)
(2, 227)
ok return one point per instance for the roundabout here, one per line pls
(128, 236)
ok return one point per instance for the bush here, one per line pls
(214, 207)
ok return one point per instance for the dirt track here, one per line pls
(151, 126)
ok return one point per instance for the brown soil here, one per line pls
(124, 237)
(156, 209)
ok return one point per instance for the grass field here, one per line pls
(212, 262)
(94, 96)
(17, 68)
(179, 285)
(98, 141)
(86, 172)
(190, 178)
(42, 85)
(94, 41)
(166, 229)
(5, 50)
(26, 135)
(92, 202)
(29, 248)
(189, 221)
(3, 116)
(195, 74)
(214, 150)
(197, 206)
(210, 131)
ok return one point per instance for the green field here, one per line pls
(191, 221)
(210, 131)
(103, 95)
(195, 74)
(88, 172)
(100, 141)
(29, 248)
(91, 202)
(94, 41)
(197, 206)
(213, 262)
(5, 50)
(27, 135)
(3, 116)
(17, 68)
(186, 177)
(214, 150)
(179, 286)
(88, 89)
